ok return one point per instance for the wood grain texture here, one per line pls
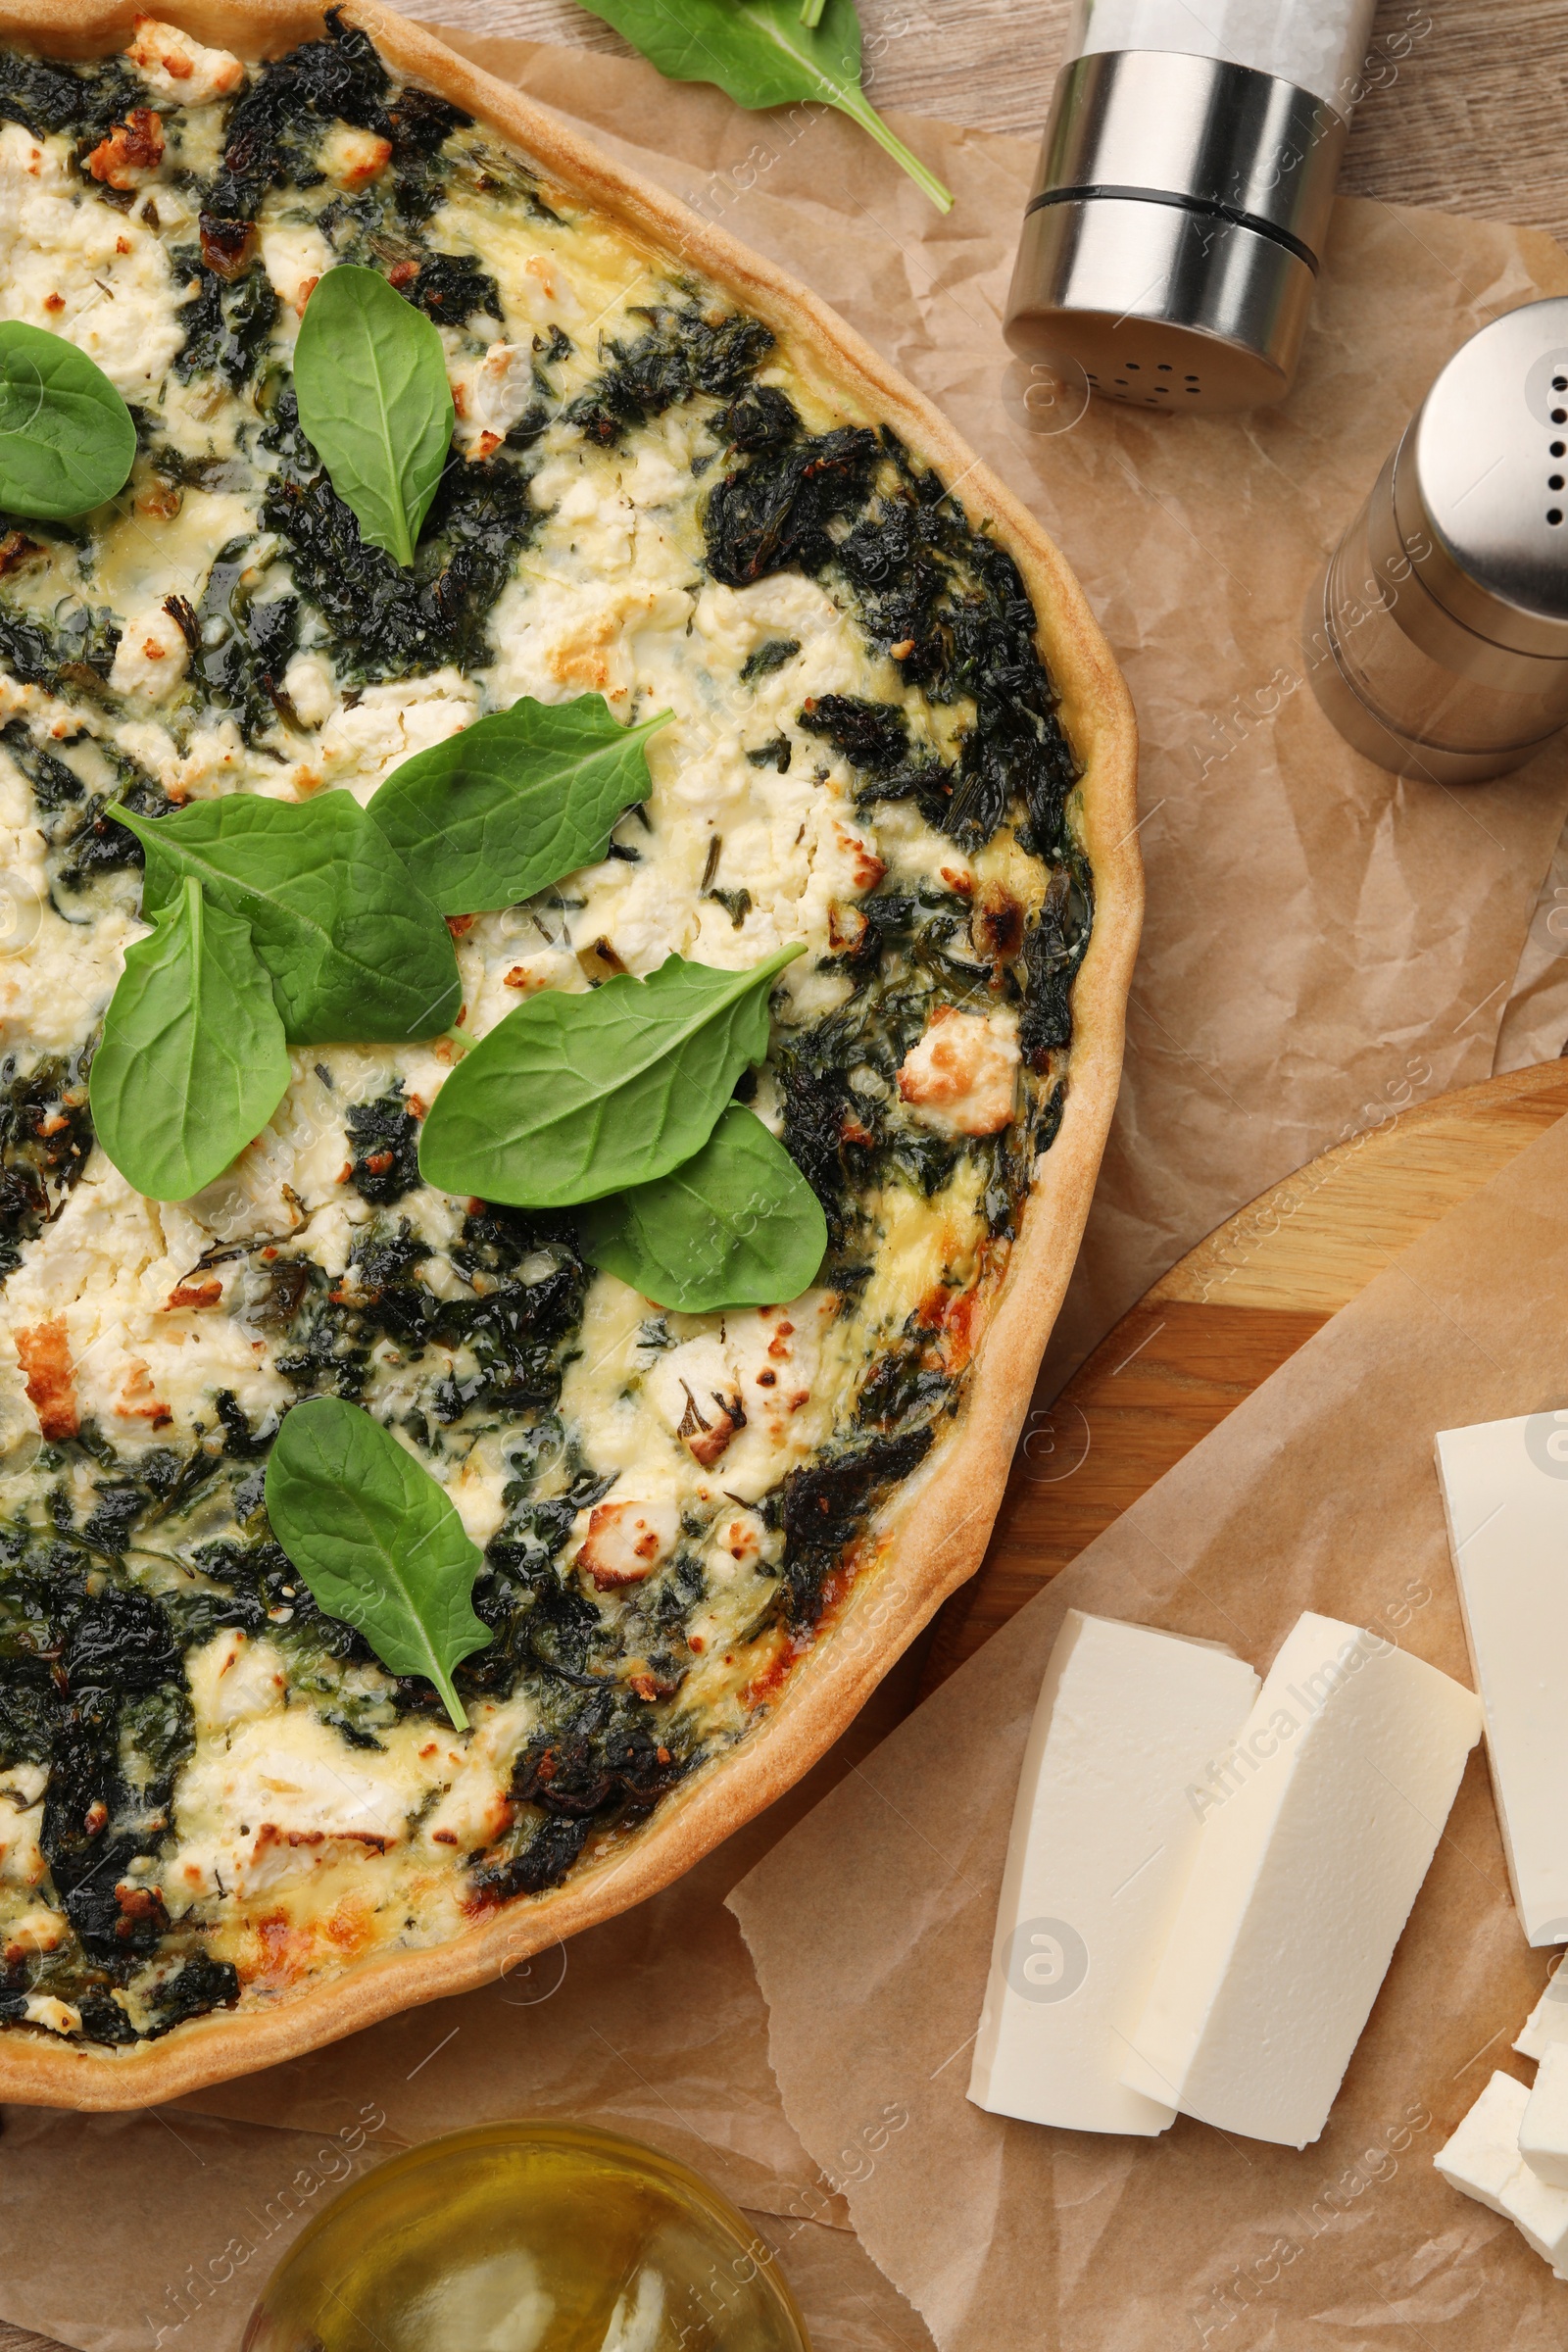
(1225, 1317)
(1465, 109)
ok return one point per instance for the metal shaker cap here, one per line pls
(1481, 483)
(1170, 246)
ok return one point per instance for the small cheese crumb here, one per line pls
(626, 1541)
(179, 70)
(960, 1078)
(35, 1931)
(352, 157)
(490, 395)
(151, 657)
(57, 2017)
(132, 153)
(296, 258)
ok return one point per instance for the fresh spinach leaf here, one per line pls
(67, 441)
(515, 802)
(375, 1538)
(573, 1096)
(737, 1225)
(192, 1063)
(371, 379)
(354, 948)
(764, 53)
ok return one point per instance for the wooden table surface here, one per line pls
(1469, 116)
(1467, 113)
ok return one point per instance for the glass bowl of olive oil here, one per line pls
(528, 2237)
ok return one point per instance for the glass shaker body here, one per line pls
(1319, 45)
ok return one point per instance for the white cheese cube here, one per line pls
(1103, 1835)
(1482, 2156)
(1547, 2021)
(1539, 2213)
(1505, 1492)
(1543, 2133)
(1319, 1832)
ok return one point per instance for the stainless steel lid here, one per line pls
(1170, 245)
(1481, 483)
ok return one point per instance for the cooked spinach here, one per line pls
(44, 94)
(679, 354)
(274, 126)
(45, 1138)
(1053, 948)
(75, 655)
(824, 1506)
(769, 656)
(384, 1137)
(241, 646)
(773, 514)
(229, 320)
(871, 736)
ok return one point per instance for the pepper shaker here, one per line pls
(1185, 179)
(1436, 636)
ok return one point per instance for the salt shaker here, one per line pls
(1185, 179)
(1436, 636)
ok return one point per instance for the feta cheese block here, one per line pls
(1505, 1492)
(1543, 2133)
(1483, 2160)
(1547, 2021)
(1318, 1830)
(1482, 2156)
(1103, 1835)
(1539, 2213)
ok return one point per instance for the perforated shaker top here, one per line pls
(1485, 466)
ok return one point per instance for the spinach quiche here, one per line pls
(570, 890)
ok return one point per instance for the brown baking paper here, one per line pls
(877, 1914)
(1319, 937)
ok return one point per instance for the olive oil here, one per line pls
(528, 2237)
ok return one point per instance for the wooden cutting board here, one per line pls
(1225, 1317)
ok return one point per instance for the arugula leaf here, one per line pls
(764, 53)
(370, 379)
(737, 1225)
(573, 1096)
(192, 1063)
(67, 441)
(375, 1538)
(516, 800)
(354, 948)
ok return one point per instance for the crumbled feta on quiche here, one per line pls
(211, 1790)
